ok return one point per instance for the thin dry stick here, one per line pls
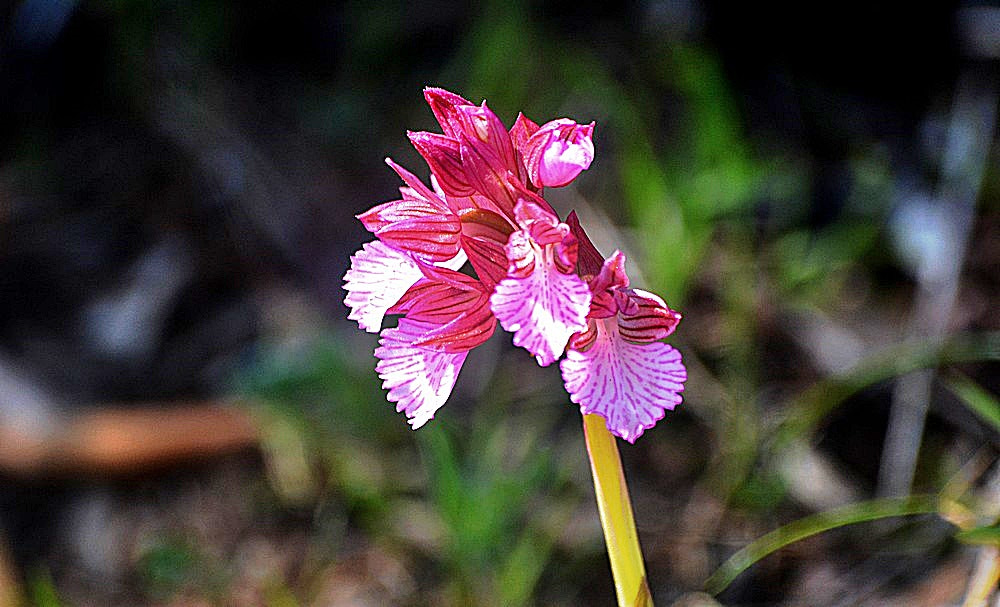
(963, 165)
(984, 577)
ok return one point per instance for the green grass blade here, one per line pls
(812, 525)
(520, 573)
(973, 396)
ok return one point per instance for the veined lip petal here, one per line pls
(543, 309)
(419, 380)
(378, 277)
(630, 385)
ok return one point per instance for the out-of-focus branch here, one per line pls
(935, 234)
(118, 441)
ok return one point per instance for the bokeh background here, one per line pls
(187, 417)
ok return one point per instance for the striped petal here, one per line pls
(455, 304)
(412, 206)
(646, 318)
(630, 385)
(378, 277)
(541, 306)
(419, 380)
(484, 234)
(444, 157)
(445, 106)
(431, 237)
(589, 259)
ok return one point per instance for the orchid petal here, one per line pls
(412, 206)
(444, 104)
(455, 304)
(487, 174)
(455, 263)
(378, 277)
(471, 327)
(487, 257)
(482, 126)
(484, 235)
(444, 156)
(522, 130)
(526, 196)
(650, 320)
(431, 237)
(589, 259)
(413, 181)
(419, 380)
(543, 308)
(630, 385)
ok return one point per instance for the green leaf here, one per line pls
(973, 396)
(812, 525)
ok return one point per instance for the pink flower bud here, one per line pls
(558, 152)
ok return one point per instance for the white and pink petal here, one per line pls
(378, 277)
(543, 309)
(419, 380)
(630, 385)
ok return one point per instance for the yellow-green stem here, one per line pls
(615, 509)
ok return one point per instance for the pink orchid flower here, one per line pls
(619, 368)
(541, 278)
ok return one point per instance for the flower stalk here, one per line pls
(615, 509)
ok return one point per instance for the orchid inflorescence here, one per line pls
(542, 278)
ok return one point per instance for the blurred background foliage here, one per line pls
(815, 187)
